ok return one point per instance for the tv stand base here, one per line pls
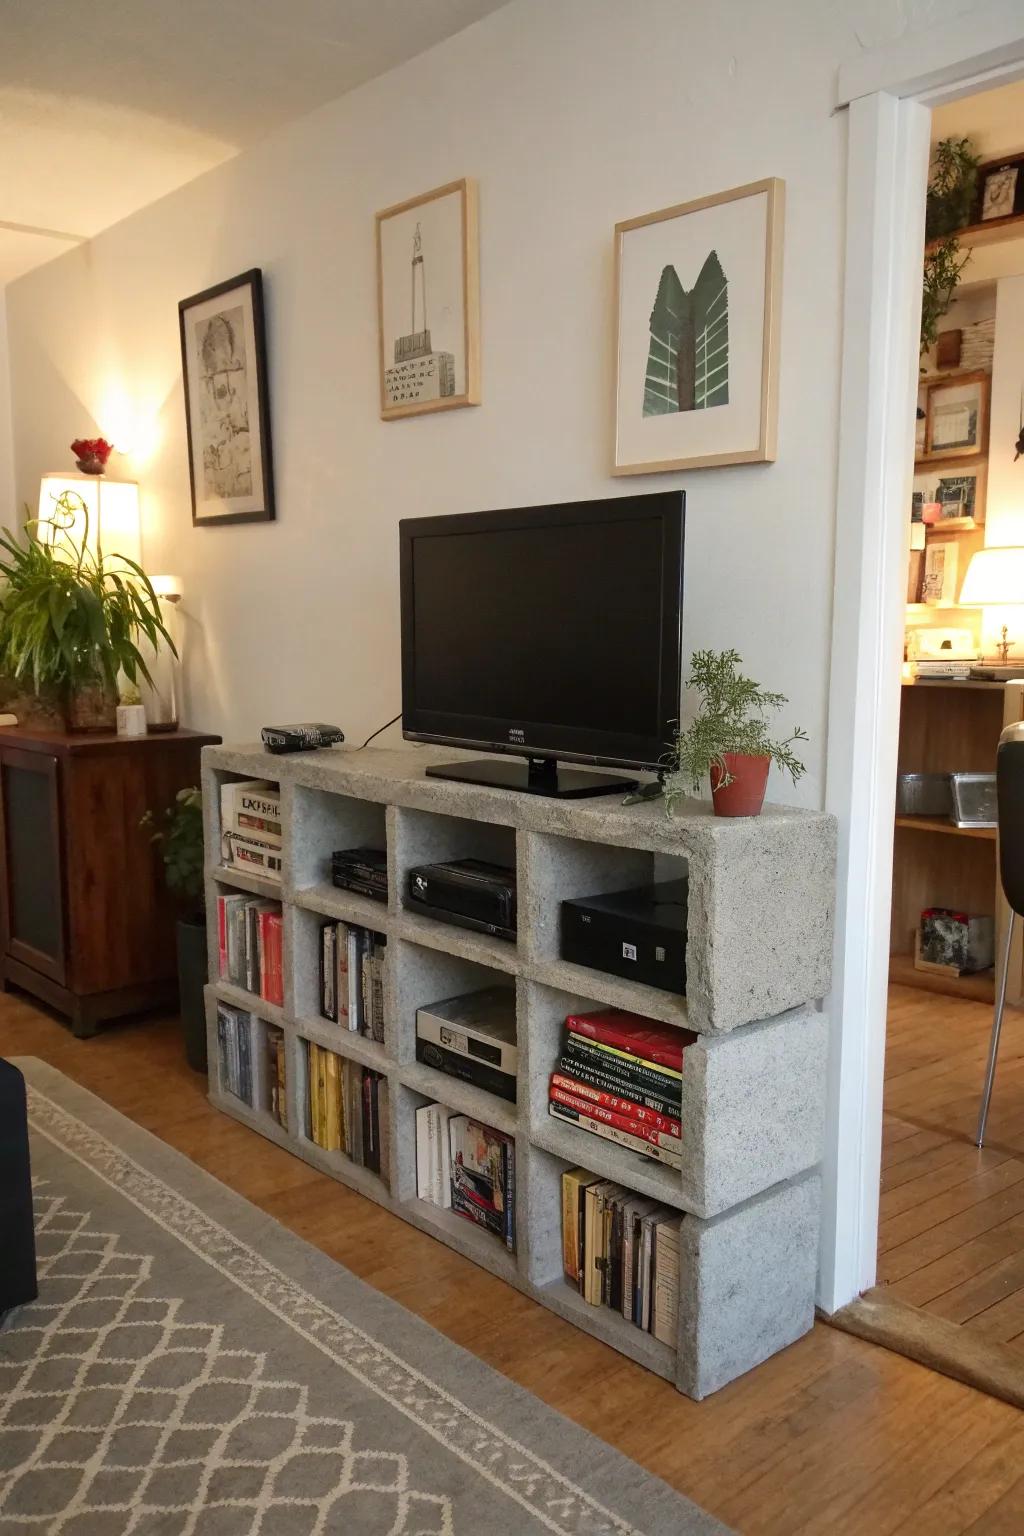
(536, 776)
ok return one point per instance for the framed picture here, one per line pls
(959, 488)
(957, 417)
(697, 297)
(227, 408)
(1001, 189)
(940, 572)
(428, 302)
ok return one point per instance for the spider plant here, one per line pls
(69, 617)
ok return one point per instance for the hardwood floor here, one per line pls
(834, 1435)
(951, 1231)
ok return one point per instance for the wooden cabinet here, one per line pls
(944, 727)
(86, 922)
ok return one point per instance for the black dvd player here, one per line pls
(639, 934)
(468, 892)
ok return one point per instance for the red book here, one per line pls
(620, 1122)
(644, 1038)
(222, 935)
(270, 957)
(634, 1111)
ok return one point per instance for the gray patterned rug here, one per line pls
(191, 1368)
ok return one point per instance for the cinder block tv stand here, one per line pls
(758, 962)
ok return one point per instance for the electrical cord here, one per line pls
(378, 731)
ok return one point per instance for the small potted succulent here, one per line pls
(71, 618)
(728, 741)
(179, 834)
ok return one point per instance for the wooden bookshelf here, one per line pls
(758, 959)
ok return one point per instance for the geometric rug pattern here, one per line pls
(116, 1417)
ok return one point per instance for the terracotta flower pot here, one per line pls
(745, 795)
(92, 707)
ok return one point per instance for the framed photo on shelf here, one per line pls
(697, 301)
(958, 488)
(227, 407)
(956, 417)
(1001, 189)
(941, 560)
(428, 302)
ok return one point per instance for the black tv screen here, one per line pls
(552, 631)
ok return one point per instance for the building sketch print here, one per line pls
(224, 404)
(688, 360)
(417, 372)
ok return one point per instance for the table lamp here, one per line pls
(112, 507)
(995, 579)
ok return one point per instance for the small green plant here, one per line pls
(731, 718)
(179, 832)
(952, 190)
(943, 265)
(69, 617)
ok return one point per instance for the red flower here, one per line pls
(92, 448)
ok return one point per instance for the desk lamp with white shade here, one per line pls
(995, 579)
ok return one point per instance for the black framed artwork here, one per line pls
(227, 406)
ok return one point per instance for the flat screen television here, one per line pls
(545, 633)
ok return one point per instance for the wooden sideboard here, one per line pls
(86, 921)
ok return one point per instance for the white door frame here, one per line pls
(889, 94)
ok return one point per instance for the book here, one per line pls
(595, 1239)
(638, 1128)
(482, 1176)
(276, 1076)
(314, 1098)
(252, 807)
(665, 1306)
(607, 1058)
(633, 1212)
(657, 1044)
(333, 1139)
(226, 904)
(586, 1122)
(329, 972)
(624, 1084)
(575, 1183)
(250, 853)
(611, 1102)
(271, 979)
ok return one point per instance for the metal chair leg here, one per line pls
(997, 1025)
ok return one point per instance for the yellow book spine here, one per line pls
(282, 1082)
(332, 1101)
(315, 1115)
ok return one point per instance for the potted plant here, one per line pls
(70, 619)
(180, 838)
(728, 741)
(952, 191)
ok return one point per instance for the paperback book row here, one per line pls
(249, 933)
(348, 1108)
(468, 1168)
(234, 1051)
(620, 1077)
(352, 978)
(250, 819)
(622, 1252)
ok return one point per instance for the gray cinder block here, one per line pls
(746, 1284)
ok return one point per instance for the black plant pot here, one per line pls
(192, 977)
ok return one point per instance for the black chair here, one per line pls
(1010, 793)
(17, 1235)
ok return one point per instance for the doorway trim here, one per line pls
(888, 94)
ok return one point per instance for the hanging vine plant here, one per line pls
(952, 192)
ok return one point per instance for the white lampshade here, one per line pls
(995, 577)
(112, 507)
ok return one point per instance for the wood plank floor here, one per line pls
(951, 1228)
(834, 1435)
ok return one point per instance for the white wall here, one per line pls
(572, 115)
(8, 517)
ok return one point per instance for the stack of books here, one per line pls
(277, 1075)
(249, 933)
(363, 870)
(348, 1108)
(352, 978)
(234, 1050)
(620, 1077)
(622, 1252)
(250, 819)
(468, 1168)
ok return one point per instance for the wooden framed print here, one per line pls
(428, 302)
(697, 301)
(956, 424)
(957, 487)
(227, 407)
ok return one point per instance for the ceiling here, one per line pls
(106, 105)
(992, 120)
